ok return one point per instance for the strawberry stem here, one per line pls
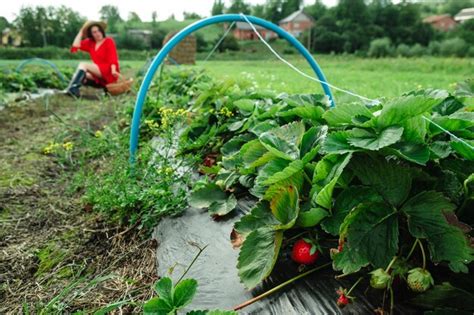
(391, 263)
(354, 286)
(412, 248)
(278, 287)
(201, 249)
(422, 254)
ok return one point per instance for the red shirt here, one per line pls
(104, 57)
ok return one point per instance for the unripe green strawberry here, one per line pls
(419, 280)
(379, 279)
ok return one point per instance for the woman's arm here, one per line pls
(77, 40)
(113, 57)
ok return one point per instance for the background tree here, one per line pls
(133, 17)
(191, 16)
(258, 10)
(316, 10)
(42, 26)
(218, 7)
(110, 14)
(290, 6)
(239, 6)
(3, 23)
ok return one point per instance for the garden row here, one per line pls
(383, 190)
(32, 79)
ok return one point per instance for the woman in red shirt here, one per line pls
(105, 67)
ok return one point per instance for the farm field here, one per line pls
(373, 78)
(76, 219)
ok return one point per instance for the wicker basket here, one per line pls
(122, 85)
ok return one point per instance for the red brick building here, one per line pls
(297, 22)
(243, 31)
(441, 22)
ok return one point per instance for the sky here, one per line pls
(90, 8)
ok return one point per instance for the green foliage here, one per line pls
(171, 298)
(454, 47)
(353, 171)
(381, 47)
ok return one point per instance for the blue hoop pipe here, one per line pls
(25, 62)
(160, 57)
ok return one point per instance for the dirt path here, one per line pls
(55, 256)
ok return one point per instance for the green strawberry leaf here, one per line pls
(391, 180)
(445, 295)
(370, 140)
(400, 109)
(327, 173)
(414, 152)
(293, 168)
(184, 292)
(284, 141)
(347, 200)
(426, 221)
(205, 196)
(157, 306)
(373, 233)
(258, 256)
(164, 289)
(285, 206)
(338, 142)
(259, 216)
(223, 207)
(311, 139)
(465, 150)
(311, 218)
(342, 114)
(348, 261)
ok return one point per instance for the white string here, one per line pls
(449, 133)
(301, 72)
(373, 101)
(220, 41)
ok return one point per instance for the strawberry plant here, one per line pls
(380, 179)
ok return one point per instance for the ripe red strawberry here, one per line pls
(342, 300)
(305, 252)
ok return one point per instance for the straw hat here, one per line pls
(89, 24)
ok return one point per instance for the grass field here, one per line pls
(373, 78)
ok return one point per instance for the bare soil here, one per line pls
(56, 255)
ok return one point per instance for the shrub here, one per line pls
(130, 42)
(454, 47)
(380, 47)
(434, 48)
(470, 52)
(229, 43)
(403, 50)
(417, 50)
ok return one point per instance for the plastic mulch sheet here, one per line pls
(216, 272)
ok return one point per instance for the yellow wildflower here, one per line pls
(51, 148)
(99, 134)
(68, 146)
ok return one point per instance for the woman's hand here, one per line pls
(115, 73)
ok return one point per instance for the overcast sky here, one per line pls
(90, 8)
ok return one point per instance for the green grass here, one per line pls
(373, 78)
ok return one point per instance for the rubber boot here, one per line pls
(74, 86)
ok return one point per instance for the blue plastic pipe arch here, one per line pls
(25, 62)
(160, 57)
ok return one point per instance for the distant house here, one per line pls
(11, 37)
(297, 22)
(464, 15)
(243, 31)
(145, 35)
(442, 22)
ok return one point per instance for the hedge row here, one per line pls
(64, 53)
